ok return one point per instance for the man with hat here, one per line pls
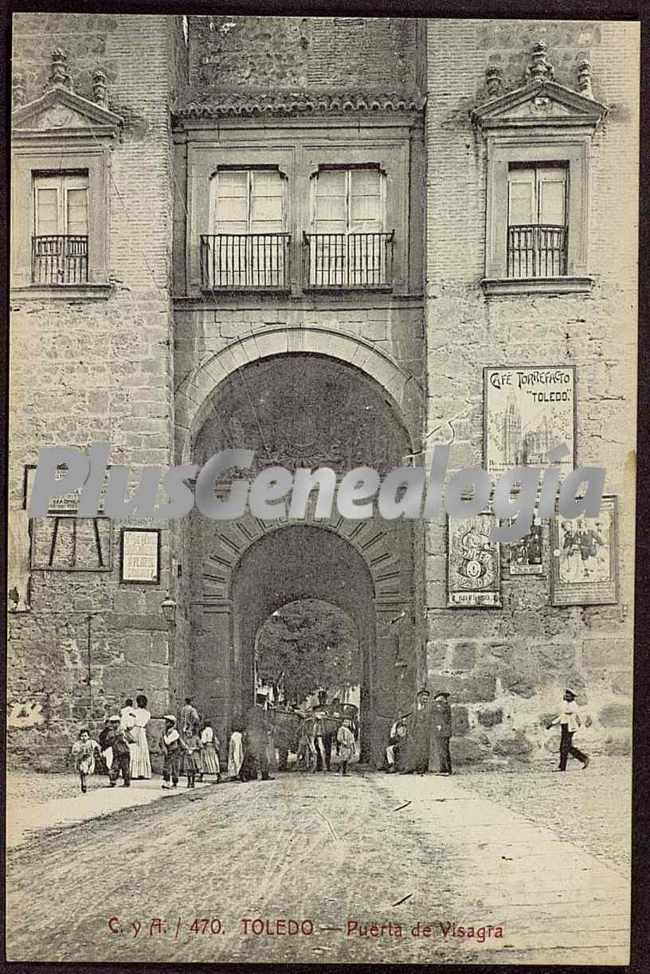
(257, 737)
(440, 733)
(118, 740)
(173, 748)
(418, 736)
(569, 721)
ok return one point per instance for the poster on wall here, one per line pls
(583, 556)
(528, 555)
(473, 575)
(528, 411)
(140, 556)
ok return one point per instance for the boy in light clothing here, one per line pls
(345, 744)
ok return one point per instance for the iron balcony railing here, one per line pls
(60, 259)
(245, 260)
(537, 250)
(349, 260)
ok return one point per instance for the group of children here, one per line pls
(195, 753)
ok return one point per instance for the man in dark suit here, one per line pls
(440, 733)
(257, 737)
(418, 737)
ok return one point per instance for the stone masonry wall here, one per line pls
(97, 369)
(507, 667)
(318, 53)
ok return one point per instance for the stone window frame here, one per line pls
(524, 147)
(30, 161)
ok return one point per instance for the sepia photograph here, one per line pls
(286, 294)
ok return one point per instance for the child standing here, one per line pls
(346, 744)
(192, 758)
(83, 751)
(209, 752)
(119, 741)
(235, 754)
(172, 746)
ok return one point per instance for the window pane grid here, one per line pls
(60, 241)
(248, 248)
(348, 247)
(537, 243)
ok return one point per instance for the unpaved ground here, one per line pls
(320, 849)
(590, 809)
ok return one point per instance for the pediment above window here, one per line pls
(61, 112)
(542, 103)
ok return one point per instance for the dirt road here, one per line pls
(333, 855)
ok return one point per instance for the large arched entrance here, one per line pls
(304, 561)
(303, 410)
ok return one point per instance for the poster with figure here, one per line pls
(583, 554)
(527, 556)
(473, 575)
(528, 412)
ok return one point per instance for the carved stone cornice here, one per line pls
(298, 103)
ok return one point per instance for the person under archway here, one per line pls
(257, 740)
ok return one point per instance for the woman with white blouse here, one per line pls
(140, 760)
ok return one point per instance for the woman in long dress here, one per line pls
(209, 752)
(140, 760)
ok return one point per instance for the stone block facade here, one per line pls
(89, 367)
(142, 358)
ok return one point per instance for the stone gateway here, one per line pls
(314, 238)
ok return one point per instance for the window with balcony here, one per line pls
(537, 220)
(60, 228)
(248, 247)
(349, 246)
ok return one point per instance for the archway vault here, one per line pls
(194, 393)
(373, 543)
(247, 573)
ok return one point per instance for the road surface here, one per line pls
(317, 869)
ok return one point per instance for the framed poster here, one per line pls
(584, 558)
(140, 556)
(529, 555)
(473, 566)
(527, 411)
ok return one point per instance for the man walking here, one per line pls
(119, 740)
(440, 733)
(569, 721)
